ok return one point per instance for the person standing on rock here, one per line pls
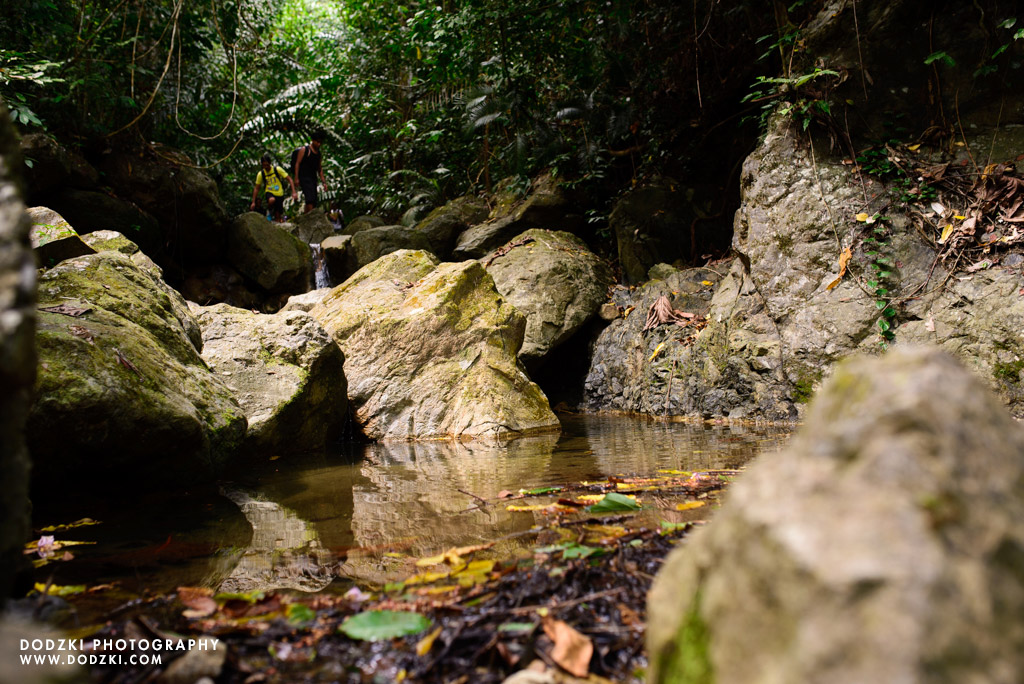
(307, 166)
(271, 179)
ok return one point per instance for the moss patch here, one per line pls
(689, 662)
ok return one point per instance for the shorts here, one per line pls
(308, 186)
(278, 206)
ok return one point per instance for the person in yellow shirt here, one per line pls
(270, 180)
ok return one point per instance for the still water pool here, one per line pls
(362, 513)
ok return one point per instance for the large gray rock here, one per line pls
(430, 351)
(444, 224)
(884, 545)
(682, 370)
(312, 228)
(284, 369)
(274, 259)
(123, 396)
(554, 280)
(546, 206)
(17, 361)
(52, 167)
(371, 244)
(183, 199)
(335, 250)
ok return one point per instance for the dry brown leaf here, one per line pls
(844, 261)
(199, 602)
(572, 651)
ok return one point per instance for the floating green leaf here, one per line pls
(614, 502)
(516, 627)
(377, 625)
(299, 613)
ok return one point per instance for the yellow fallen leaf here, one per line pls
(834, 283)
(946, 232)
(913, 148)
(690, 505)
(657, 350)
(862, 217)
(706, 282)
(424, 645)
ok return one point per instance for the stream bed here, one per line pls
(362, 514)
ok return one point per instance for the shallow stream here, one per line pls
(364, 513)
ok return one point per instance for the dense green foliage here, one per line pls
(422, 101)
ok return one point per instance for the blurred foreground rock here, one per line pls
(885, 545)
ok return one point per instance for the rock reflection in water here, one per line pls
(284, 553)
(394, 502)
(418, 498)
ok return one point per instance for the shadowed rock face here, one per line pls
(123, 395)
(430, 351)
(885, 545)
(17, 360)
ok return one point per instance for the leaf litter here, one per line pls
(572, 604)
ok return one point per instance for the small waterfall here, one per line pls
(322, 277)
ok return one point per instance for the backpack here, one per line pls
(295, 159)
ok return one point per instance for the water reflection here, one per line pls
(402, 501)
(365, 515)
(284, 552)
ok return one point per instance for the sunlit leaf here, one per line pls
(657, 350)
(424, 645)
(862, 217)
(60, 590)
(67, 526)
(378, 625)
(946, 232)
(516, 627)
(690, 505)
(614, 502)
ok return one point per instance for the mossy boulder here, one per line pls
(360, 223)
(546, 206)
(271, 257)
(53, 238)
(123, 396)
(443, 225)
(284, 369)
(884, 545)
(431, 351)
(368, 245)
(552, 278)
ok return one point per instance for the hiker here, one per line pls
(307, 165)
(271, 179)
